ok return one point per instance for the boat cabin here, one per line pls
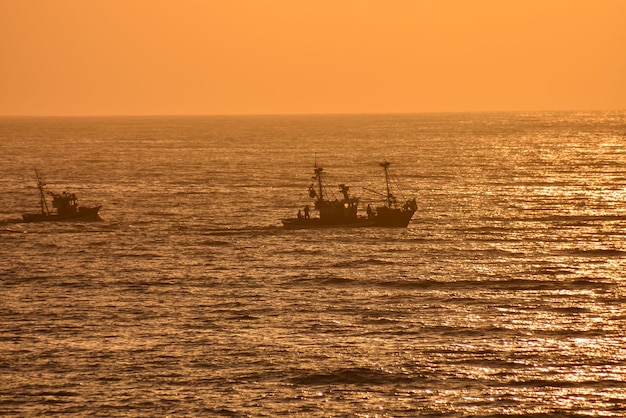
(65, 203)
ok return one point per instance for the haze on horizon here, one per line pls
(113, 57)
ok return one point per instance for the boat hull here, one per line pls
(393, 218)
(84, 214)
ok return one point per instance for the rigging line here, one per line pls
(301, 202)
(374, 191)
(396, 183)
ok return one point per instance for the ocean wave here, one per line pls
(498, 284)
(353, 376)
(555, 383)
(600, 252)
(362, 262)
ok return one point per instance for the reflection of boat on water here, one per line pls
(66, 205)
(342, 213)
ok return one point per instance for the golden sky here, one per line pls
(155, 57)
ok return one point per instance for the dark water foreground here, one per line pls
(505, 296)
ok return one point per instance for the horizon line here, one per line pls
(111, 115)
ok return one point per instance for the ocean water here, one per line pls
(505, 296)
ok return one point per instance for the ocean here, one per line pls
(505, 296)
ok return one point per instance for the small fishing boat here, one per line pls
(343, 213)
(65, 207)
(337, 213)
(392, 214)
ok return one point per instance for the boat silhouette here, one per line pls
(343, 213)
(65, 207)
(337, 213)
(392, 214)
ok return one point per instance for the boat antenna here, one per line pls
(385, 166)
(42, 197)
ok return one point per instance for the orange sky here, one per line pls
(115, 57)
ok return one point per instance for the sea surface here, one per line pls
(505, 296)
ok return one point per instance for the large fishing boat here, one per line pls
(343, 213)
(66, 205)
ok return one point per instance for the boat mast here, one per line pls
(385, 167)
(42, 197)
(318, 177)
